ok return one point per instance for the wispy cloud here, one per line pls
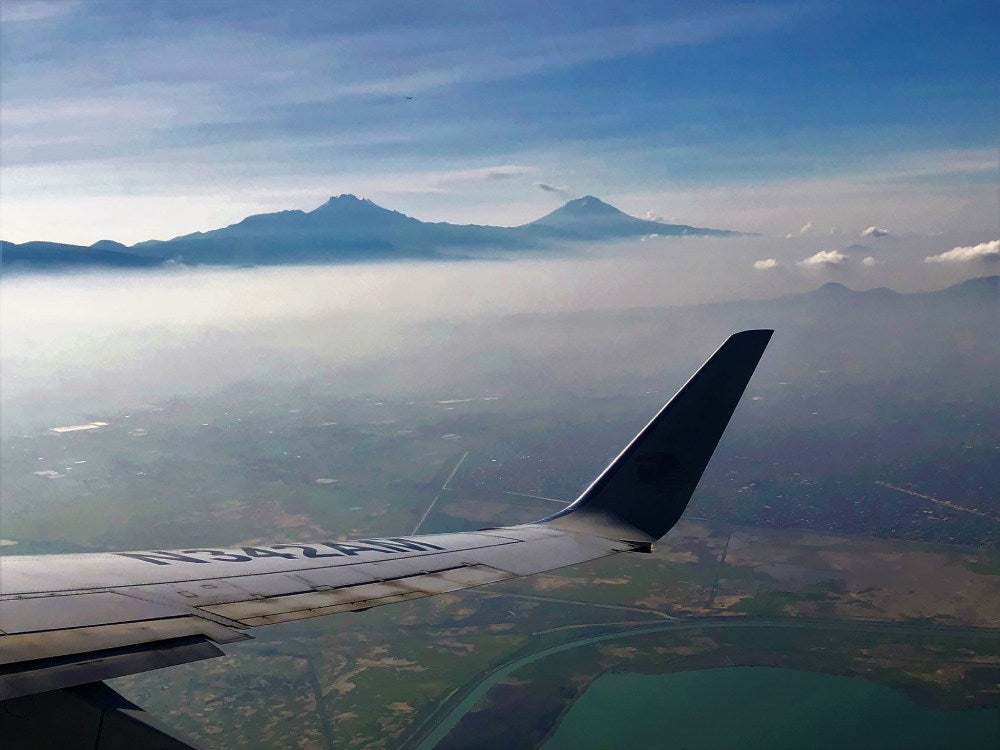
(560, 191)
(514, 55)
(869, 261)
(988, 251)
(806, 228)
(12, 11)
(765, 264)
(824, 258)
(481, 174)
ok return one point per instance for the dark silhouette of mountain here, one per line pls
(590, 218)
(347, 228)
(835, 290)
(979, 293)
(980, 289)
(110, 245)
(36, 256)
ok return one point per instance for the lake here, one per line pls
(762, 707)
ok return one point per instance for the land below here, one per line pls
(847, 525)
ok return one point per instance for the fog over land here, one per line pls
(855, 384)
(79, 343)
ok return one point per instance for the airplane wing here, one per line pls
(68, 622)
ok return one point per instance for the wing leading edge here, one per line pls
(74, 620)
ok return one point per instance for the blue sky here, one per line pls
(138, 120)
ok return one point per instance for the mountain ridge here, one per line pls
(39, 255)
(346, 228)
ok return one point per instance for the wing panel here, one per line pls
(26, 615)
(546, 553)
(202, 594)
(355, 598)
(51, 644)
(48, 574)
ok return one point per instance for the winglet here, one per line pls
(644, 491)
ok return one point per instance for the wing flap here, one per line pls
(275, 609)
(52, 644)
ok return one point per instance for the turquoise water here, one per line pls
(762, 707)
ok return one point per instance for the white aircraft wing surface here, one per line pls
(68, 622)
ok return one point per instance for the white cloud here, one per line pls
(874, 231)
(806, 228)
(983, 251)
(869, 261)
(789, 236)
(825, 258)
(500, 172)
(766, 264)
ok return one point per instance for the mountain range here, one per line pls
(347, 228)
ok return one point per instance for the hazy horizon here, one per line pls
(79, 342)
(129, 121)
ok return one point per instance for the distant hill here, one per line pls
(56, 256)
(590, 218)
(832, 299)
(975, 290)
(981, 289)
(347, 228)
